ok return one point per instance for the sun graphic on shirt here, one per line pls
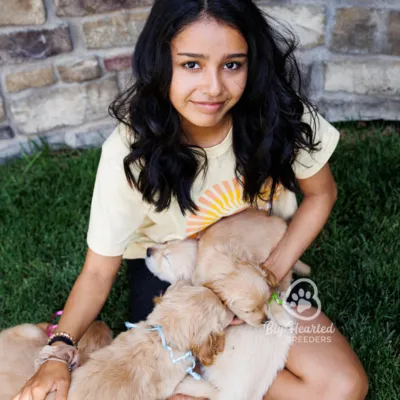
(222, 200)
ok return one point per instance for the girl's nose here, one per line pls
(213, 84)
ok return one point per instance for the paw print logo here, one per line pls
(302, 299)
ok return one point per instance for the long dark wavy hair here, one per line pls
(267, 127)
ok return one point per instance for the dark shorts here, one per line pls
(143, 287)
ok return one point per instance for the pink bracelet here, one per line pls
(52, 327)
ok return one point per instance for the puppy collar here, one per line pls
(276, 298)
(188, 355)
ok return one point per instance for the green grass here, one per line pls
(44, 211)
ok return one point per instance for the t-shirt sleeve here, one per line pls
(308, 164)
(117, 209)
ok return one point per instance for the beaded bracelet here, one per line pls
(62, 337)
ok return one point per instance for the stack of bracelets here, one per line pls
(58, 336)
(62, 337)
(68, 355)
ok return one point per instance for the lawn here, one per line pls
(44, 210)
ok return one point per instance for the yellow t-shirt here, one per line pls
(122, 224)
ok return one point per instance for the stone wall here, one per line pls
(63, 61)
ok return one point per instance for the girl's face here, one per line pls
(209, 66)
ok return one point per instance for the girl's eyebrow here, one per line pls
(227, 56)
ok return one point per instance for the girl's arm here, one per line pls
(320, 194)
(89, 293)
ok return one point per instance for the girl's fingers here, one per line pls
(62, 391)
(17, 396)
(23, 395)
(39, 393)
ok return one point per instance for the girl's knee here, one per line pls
(351, 383)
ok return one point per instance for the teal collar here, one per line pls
(188, 355)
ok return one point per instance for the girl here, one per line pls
(214, 123)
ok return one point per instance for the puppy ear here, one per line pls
(271, 279)
(216, 287)
(207, 351)
(157, 300)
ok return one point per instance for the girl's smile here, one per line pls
(208, 108)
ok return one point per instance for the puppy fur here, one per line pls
(160, 259)
(246, 369)
(228, 258)
(20, 346)
(136, 366)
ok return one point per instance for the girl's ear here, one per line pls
(208, 350)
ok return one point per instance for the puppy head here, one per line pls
(194, 318)
(244, 291)
(172, 261)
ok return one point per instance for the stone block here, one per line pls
(114, 31)
(394, 32)
(99, 95)
(79, 8)
(118, 63)
(308, 22)
(369, 77)
(364, 109)
(357, 31)
(34, 44)
(2, 112)
(79, 71)
(125, 80)
(22, 12)
(29, 79)
(44, 110)
(6, 133)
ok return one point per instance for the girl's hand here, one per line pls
(278, 263)
(52, 376)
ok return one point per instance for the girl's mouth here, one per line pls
(208, 107)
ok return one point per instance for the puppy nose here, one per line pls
(148, 252)
(265, 320)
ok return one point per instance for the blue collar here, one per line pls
(188, 355)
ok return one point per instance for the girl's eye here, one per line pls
(191, 64)
(239, 65)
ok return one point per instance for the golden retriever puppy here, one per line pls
(228, 258)
(252, 356)
(162, 260)
(248, 236)
(20, 346)
(246, 369)
(136, 366)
